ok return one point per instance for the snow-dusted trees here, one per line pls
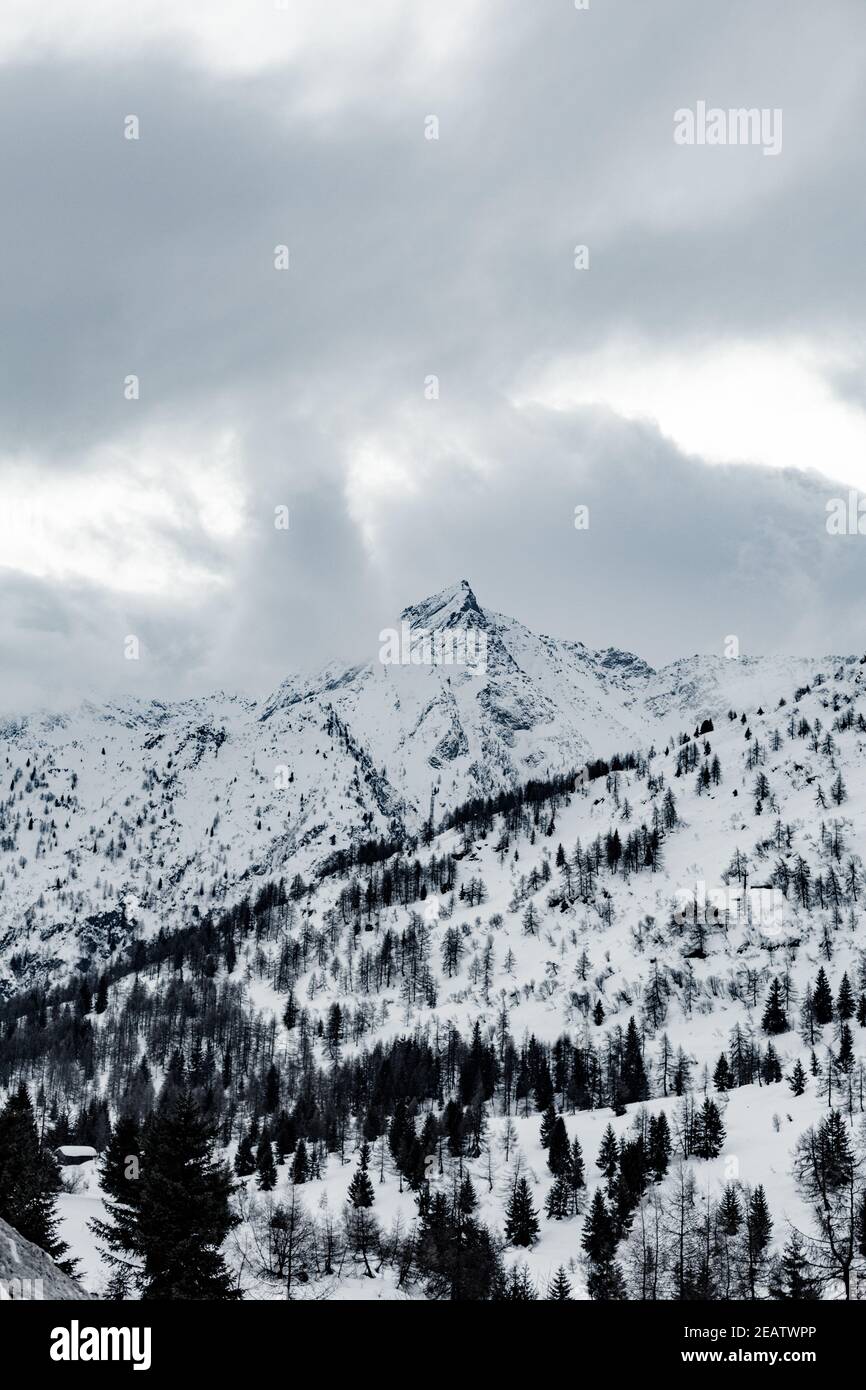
(828, 1168)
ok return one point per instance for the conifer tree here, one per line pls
(245, 1159)
(797, 1079)
(467, 1200)
(775, 1020)
(576, 1176)
(845, 1055)
(605, 1278)
(301, 1163)
(521, 1218)
(558, 1204)
(659, 1145)
(759, 1227)
(183, 1209)
(121, 1182)
(822, 999)
(559, 1151)
(290, 1012)
(771, 1067)
(792, 1277)
(272, 1090)
(560, 1287)
(29, 1178)
(722, 1078)
(598, 1238)
(100, 1004)
(730, 1212)
(709, 1131)
(608, 1154)
(516, 1286)
(360, 1188)
(548, 1120)
(265, 1166)
(845, 999)
(633, 1078)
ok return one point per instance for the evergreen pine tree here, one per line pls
(183, 1211)
(576, 1176)
(775, 1020)
(845, 999)
(633, 1075)
(29, 1178)
(599, 1236)
(245, 1159)
(360, 1188)
(771, 1067)
(548, 1120)
(730, 1212)
(560, 1288)
(659, 1145)
(822, 999)
(121, 1182)
(521, 1218)
(517, 1286)
(558, 1204)
(845, 1055)
(722, 1078)
(792, 1277)
(467, 1200)
(605, 1280)
(265, 1166)
(301, 1163)
(559, 1150)
(797, 1079)
(608, 1154)
(759, 1227)
(709, 1131)
(101, 1002)
(272, 1090)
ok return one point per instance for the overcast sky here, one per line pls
(700, 386)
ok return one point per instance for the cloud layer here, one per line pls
(699, 386)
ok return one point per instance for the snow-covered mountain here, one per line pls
(693, 896)
(134, 815)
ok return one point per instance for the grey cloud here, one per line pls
(411, 257)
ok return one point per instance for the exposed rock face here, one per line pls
(27, 1272)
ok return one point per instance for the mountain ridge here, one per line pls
(146, 811)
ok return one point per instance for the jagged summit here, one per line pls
(447, 609)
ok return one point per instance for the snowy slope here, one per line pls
(129, 816)
(535, 944)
